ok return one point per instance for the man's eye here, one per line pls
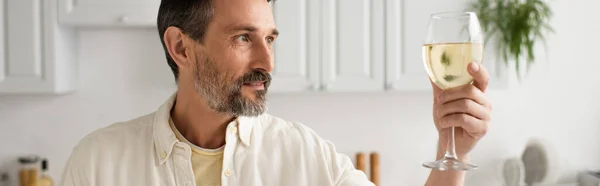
(270, 40)
(243, 38)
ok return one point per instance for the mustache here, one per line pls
(256, 75)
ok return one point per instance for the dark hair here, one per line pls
(191, 16)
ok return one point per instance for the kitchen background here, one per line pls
(123, 74)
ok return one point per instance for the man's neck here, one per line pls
(198, 123)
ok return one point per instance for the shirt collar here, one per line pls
(245, 125)
(165, 139)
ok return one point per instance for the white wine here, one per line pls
(447, 62)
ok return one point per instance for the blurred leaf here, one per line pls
(518, 25)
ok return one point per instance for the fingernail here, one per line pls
(474, 67)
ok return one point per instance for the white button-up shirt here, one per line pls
(259, 151)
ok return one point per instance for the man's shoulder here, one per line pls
(292, 131)
(123, 132)
(270, 123)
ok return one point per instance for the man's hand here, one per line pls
(467, 109)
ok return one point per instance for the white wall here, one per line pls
(123, 75)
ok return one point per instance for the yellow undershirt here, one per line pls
(206, 163)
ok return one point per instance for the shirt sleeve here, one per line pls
(77, 171)
(345, 174)
(339, 166)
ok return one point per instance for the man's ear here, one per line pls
(178, 46)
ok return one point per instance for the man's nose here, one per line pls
(263, 57)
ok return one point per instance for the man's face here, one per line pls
(236, 57)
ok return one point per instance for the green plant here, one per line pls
(518, 24)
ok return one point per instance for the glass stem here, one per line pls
(450, 151)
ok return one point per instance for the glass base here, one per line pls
(449, 164)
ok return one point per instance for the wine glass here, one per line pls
(454, 39)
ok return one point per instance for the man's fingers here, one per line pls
(466, 106)
(470, 124)
(463, 92)
(480, 76)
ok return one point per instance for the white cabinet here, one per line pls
(406, 26)
(37, 55)
(329, 45)
(353, 45)
(108, 12)
(297, 47)
(324, 45)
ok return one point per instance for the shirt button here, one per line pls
(164, 154)
(233, 129)
(228, 173)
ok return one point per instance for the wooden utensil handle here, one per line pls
(361, 163)
(375, 168)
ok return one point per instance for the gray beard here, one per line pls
(223, 95)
